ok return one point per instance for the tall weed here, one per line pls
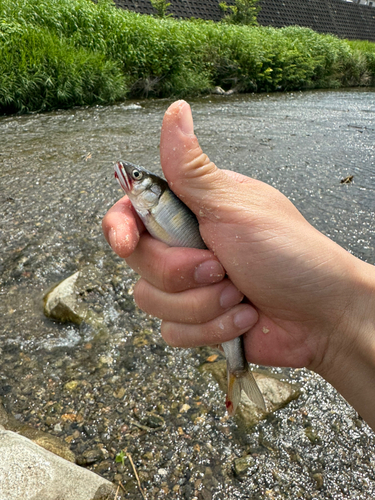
(363, 68)
(40, 71)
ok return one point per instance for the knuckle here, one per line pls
(170, 274)
(140, 294)
(170, 333)
(217, 328)
(198, 311)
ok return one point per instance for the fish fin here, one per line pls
(233, 393)
(244, 382)
(251, 389)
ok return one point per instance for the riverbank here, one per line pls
(59, 54)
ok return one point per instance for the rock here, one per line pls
(154, 421)
(47, 441)
(64, 302)
(221, 91)
(242, 465)
(61, 302)
(312, 435)
(31, 472)
(120, 393)
(218, 90)
(71, 386)
(90, 457)
(276, 393)
(319, 480)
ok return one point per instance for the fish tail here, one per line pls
(242, 382)
(251, 389)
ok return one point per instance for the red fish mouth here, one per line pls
(122, 177)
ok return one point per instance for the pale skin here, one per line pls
(308, 302)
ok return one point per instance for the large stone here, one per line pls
(61, 302)
(43, 439)
(276, 393)
(64, 302)
(221, 91)
(30, 472)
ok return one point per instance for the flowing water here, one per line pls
(126, 389)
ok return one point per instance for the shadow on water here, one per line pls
(128, 389)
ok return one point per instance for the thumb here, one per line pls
(190, 173)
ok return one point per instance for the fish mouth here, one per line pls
(122, 177)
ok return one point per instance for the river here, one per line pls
(131, 391)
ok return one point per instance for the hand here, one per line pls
(311, 301)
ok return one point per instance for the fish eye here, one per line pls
(137, 175)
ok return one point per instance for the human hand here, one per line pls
(308, 295)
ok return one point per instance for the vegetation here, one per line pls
(362, 66)
(161, 7)
(61, 53)
(242, 12)
(40, 71)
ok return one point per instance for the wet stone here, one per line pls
(71, 386)
(318, 477)
(47, 441)
(277, 393)
(312, 435)
(242, 465)
(69, 301)
(29, 471)
(120, 393)
(61, 302)
(90, 457)
(204, 495)
(154, 421)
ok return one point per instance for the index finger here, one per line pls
(122, 227)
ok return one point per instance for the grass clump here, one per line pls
(268, 59)
(361, 70)
(60, 53)
(40, 71)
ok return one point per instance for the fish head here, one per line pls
(142, 187)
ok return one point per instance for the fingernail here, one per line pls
(230, 297)
(245, 318)
(112, 238)
(185, 121)
(210, 271)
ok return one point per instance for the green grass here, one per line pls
(363, 54)
(40, 71)
(61, 53)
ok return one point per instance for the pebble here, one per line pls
(90, 457)
(319, 480)
(71, 386)
(242, 465)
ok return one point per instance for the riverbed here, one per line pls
(124, 389)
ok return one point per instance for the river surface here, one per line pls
(127, 390)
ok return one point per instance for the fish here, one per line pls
(169, 220)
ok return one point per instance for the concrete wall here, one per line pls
(344, 19)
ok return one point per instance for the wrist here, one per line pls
(349, 362)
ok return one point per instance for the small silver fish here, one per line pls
(169, 220)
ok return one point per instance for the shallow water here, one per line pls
(56, 183)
